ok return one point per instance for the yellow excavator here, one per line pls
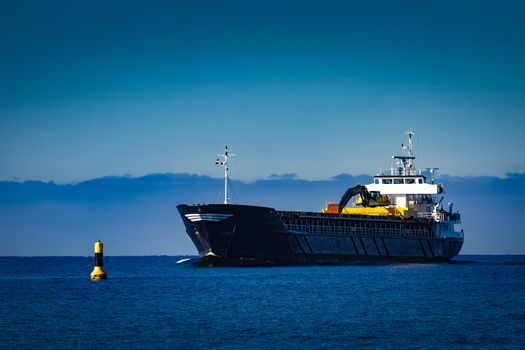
(373, 203)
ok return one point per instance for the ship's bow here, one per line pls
(228, 231)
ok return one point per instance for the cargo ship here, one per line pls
(397, 218)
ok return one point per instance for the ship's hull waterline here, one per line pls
(253, 235)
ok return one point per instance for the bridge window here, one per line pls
(376, 181)
(387, 181)
(398, 181)
(410, 181)
(420, 181)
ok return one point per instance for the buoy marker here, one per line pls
(98, 271)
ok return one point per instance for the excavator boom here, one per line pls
(368, 199)
(352, 191)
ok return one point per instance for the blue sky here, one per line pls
(316, 88)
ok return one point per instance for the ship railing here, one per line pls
(432, 216)
(441, 216)
(361, 231)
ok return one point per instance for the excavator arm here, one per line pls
(352, 191)
(368, 199)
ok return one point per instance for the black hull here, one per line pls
(249, 235)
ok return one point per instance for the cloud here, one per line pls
(284, 176)
(138, 215)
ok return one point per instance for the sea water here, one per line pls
(156, 303)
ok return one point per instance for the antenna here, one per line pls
(406, 165)
(224, 163)
(410, 151)
(410, 148)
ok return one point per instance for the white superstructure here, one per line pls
(406, 187)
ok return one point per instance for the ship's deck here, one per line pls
(361, 225)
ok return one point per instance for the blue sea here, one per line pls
(160, 303)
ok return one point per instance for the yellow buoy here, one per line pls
(98, 271)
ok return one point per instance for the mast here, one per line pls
(410, 152)
(406, 161)
(224, 163)
(226, 176)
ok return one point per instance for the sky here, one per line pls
(315, 88)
